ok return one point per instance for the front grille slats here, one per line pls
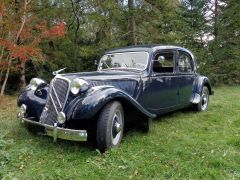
(59, 93)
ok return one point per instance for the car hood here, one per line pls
(127, 81)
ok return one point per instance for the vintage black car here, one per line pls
(131, 84)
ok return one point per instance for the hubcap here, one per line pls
(117, 127)
(204, 100)
(117, 123)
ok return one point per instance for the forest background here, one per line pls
(38, 37)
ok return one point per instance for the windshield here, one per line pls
(126, 60)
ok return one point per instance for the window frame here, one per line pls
(191, 62)
(174, 52)
(148, 55)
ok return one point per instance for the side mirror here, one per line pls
(161, 59)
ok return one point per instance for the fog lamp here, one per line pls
(61, 117)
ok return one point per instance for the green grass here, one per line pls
(184, 144)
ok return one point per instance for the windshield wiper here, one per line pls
(125, 65)
(106, 64)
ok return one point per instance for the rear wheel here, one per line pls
(110, 126)
(203, 104)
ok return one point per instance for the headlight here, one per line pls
(35, 83)
(79, 85)
(23, 109)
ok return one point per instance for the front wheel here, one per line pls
(203, 104)
(110, 126)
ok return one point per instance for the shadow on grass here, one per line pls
(39, 141)
(164, 117)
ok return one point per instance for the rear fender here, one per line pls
(198, 85)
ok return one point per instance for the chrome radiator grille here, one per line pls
(56, 100)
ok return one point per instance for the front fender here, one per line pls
(88, 106)
(199, 82)
(34, 102)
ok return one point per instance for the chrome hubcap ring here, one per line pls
(117, 123)
(204, 100)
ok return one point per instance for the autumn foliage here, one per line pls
(2, 9)
(20, 36)
(31, 49)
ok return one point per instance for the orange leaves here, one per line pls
(27, 32)
(22, 35)
(22, 52)
(6, 43)
(28, 47)
(36, 33)
(2, 9)
(57, 31)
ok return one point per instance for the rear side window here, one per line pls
(185, 63)
(163, 62)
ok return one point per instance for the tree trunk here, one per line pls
(133, 39)
(1, 75)
(6, 78)
(215, 18)
(22, 75)
(18, 40)
(76, 16)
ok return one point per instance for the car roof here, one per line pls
(148, 48)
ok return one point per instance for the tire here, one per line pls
(110, 126)
(203, 104)
(146, 125)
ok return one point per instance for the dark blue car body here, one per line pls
(145, 92)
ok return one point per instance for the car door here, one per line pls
(163, 83)
(186, 77)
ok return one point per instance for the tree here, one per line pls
(158, 22)
(20, 40)
(226, 44)
(132, 22)
(204, 26)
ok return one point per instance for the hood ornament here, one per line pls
(58, 71)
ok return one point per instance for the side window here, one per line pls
(185, 63)
(163, 62)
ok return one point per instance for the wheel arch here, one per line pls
(207, 84)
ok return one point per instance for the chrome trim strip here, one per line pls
(57, 132)
(53, 102)
(53, 88)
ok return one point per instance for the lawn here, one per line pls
(183, 144)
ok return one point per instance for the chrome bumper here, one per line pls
(57, 132)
